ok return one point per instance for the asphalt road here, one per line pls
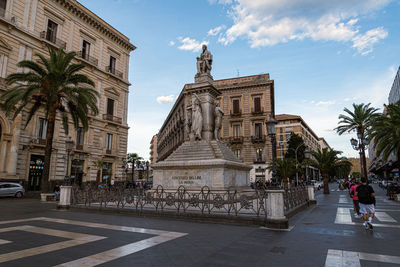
(327, 234)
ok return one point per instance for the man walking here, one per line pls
(366, 199)
(356, 205)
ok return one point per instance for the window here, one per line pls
(237, 153)
(109, 141)
(111, 67)
(80, 135)
(237, 131)
(3, 5)
(258, 130)
(288, 129)
(42, 128)
(51, 33)
(106, 172)
(259, 154)
(85, 50)
(236, 106)
(257, 104)
(110, 106)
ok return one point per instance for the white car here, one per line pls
(317, 184)
(11, 190)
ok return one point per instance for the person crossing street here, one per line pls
(366, 198)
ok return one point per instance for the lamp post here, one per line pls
(360, 146)
(69, 144)
(147, 167)
(271, 122)
(306, 155)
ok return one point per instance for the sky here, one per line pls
(323, 55)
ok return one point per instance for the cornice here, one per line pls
(97, 23)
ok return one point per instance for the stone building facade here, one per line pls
(153, 149)
(28, 27)
(247, 102)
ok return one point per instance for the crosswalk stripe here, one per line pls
(384, 217)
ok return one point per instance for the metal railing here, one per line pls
(57, 42)
(235, 139)
(295, 197)
(114, 71)
(90, 59)
(251, 203)
(236, 112)
(255, 111)
(258, 139)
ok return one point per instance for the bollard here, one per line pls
(275, 216)
(65, 197)
(311, 197)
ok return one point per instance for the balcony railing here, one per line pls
(114, 71)
(112, 118)
(57, 42)
(257, 111)
(259, 160)
(235, 139)
(79, 147)
(42, 141)
(258, 139)
(108, 151)
(90, 59)
(236, 112)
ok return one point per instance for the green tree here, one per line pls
(296, 142)
(326, 160)
(284, 168)
(131, 159)
(385, 132)
(54, 84)
(359, 120)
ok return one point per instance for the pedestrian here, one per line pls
(366, 199)
(356, 205)
(56, 191)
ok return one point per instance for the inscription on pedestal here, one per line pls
(185, 180)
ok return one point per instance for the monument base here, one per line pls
(196, 164)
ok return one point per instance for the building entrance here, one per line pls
(36, 167)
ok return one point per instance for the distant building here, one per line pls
(26, 28)
(356, 164)
(153, 149)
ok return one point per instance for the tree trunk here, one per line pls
(49, 147)
(133, 172)
(326, 183)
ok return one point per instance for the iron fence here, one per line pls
(294, 197)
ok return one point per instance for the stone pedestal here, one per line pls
(65, 197)
(275, 210)
(311, 197)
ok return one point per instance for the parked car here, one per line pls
(11, 190)
(317, 184)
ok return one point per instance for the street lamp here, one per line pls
(69, 144)
(360, 146)
(306, 155)
(147, 167)
(271, 122)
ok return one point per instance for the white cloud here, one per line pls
(325, 103)
(216, 30)
(171, 43)
(364, 42)
(190, 44)
(269, 22)
(165, 99)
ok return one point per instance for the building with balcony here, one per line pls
(28, 27)
(153, 149)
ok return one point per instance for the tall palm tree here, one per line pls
(55, 85)
(284, 168)
(358, 120)
(326, 160)
(385, 131)
(132, 158)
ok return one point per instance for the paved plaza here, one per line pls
(327, 234)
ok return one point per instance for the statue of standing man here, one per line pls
(218, 113)
(197, 118)
(204, 62)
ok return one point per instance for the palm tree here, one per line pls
(385, 131)
(132, 158)
(55, 85)
(326, 160)
(284, 168)
(359, 121)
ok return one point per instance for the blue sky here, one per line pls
(323, 55)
